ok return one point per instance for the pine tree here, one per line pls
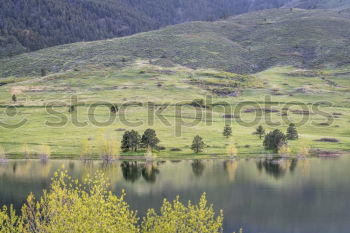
(260, 131)
(149, 139)
(227, 131)
(197, 144)
(292, 133)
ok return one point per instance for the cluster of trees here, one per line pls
(276, 139)
(90, 206)
(27, 25)
(132, 140)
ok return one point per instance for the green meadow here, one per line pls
(151, 96)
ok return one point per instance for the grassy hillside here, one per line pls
(139, 84)
(245, 43)
(28, 25)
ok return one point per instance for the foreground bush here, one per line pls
(89, 206)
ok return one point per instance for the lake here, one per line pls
(262, 196)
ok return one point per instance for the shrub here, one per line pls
(14, 98)
(175, 149)
(108, 149)
(114, 109)
(176, 217)
(71, 206)
(227, 131)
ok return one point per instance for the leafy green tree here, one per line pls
(149, 139)
(131, 141)
(197, 144)
(292, 133)
(227, 131)
(14, 98)
(260, 131)
(275, 140)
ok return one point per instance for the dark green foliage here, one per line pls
(197, 144)
(230, 39)
(275, 140)
(43, 72)
(114, 109)
(71, 109)
(149, 139)
(131, 141)
(292, 133)
(35, 24)
(227, 131)
(14, 98)
(260, 131)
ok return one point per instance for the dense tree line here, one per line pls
(27, 25)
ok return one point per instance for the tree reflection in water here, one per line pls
(150, 172)
(273, 167)
(230, 167)
(197, 168)
(131, 171)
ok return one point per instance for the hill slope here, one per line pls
(319, 4)
(242, 44)
(29, 25)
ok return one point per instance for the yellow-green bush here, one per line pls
(178, 218)
(89, 206)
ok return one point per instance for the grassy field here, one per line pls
(140, 90)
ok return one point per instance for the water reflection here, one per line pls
(150, 172)
(275, 167)
(230, 167)
(131, 171)
(301, 195)
(198, 168)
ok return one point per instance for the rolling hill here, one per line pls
(245, 43)
(29, 25)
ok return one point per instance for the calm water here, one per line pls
(291, 196)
